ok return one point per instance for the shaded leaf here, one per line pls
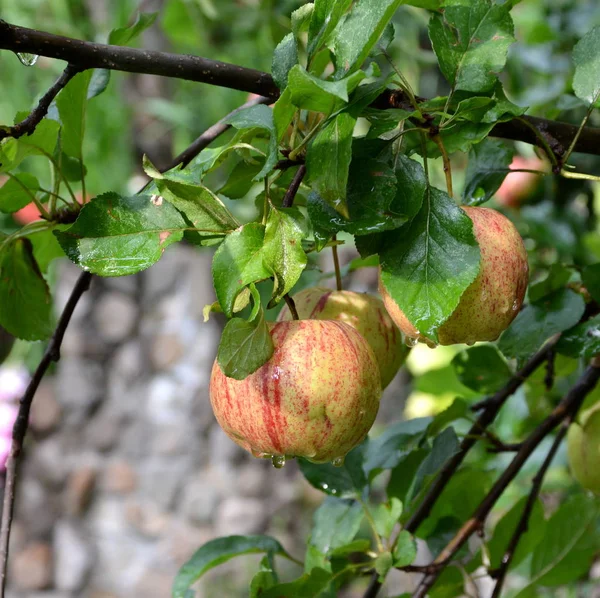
(335, 524)
(72, 103)
(16, 192)
(285, 57)
(482, 368)
(586, 57)
(538, 322)
(324, 19)
(307, 586)
(405, 551)
(583, 340)
(123, 35)
(25, 302)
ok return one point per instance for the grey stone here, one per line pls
(115, 316)
(119, 477)
(79, 386)
(45, 410)
(199, 501)
(80, 489)
(73, 558)
(240, 516)
(147, 518)
(31, 568)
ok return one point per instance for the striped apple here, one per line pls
(362, 311)
(316, 397)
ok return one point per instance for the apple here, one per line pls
(583, 448)
(316, 397)
(518, 186)
(362, 311)
(494, 298)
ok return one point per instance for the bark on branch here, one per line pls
(88, 55)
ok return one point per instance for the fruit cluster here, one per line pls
(318, 395)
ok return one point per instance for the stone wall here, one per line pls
(126, 471)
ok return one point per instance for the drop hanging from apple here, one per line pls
(493, 300)
(366, 313)
(316, 397)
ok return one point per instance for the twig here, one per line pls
(490, 409)
(290, 194)
(550, 371)
(187, 155)
(522, 526)
(291, 306)
(194, 68)
(28, 125)
(51, 354)
(336, 266)
(566, 408)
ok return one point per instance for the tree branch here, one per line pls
(51, 354)
(490, 409)
(290, 194)
(86, 55)
(566, 408)
(522, 526)
(28, 125)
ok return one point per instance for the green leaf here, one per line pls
(301, 18)
(355, 37)
(538, 322)
(442, 381)
(335, 524)
(204, 211)
(116, 236)
(324, 19)
(406, 549)
(383, 563)
(482, 368)
(556, 279)
(123, 35)
(346, 481)
(471, 39)
(459, 409)
(308, 586)
(219, 551)
(386, 515)
(283, 113)
(582, 340)
(586, 57)
(41, 142)
(265, 578)
(312, 93)
(238, 262)
(398, 440)
(244, 347)
(505, 528)
(412, 186)
(72, 103)
(367, 178)
(404, 472)
(489, 163)
(46, 247)
(240, 180)
(17, 191)
(590, 276)
(285, 57)
(259, 117)
(434, 260)
(328, 161)
(445, 446)
(568, 546)
(282, 252)
(25, 302)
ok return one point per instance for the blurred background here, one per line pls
(126, 471)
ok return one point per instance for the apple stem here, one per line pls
(336, 265)
(291, 306)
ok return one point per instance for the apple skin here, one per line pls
(518, 186)
(316, 397)
(362, 311)
(494, 298)
(583, 449)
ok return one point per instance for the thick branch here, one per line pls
(523, 524)
(28, 125)
(51, 354)
(290, 194)
(88, 55)
(566, 408)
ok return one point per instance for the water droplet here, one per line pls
(338, 462)
(470, 343)
(515, 305)
(278, 461)
(27, 59)
(410, 342)
(431, 344)
(324, 486)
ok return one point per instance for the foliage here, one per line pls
(385, 178)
